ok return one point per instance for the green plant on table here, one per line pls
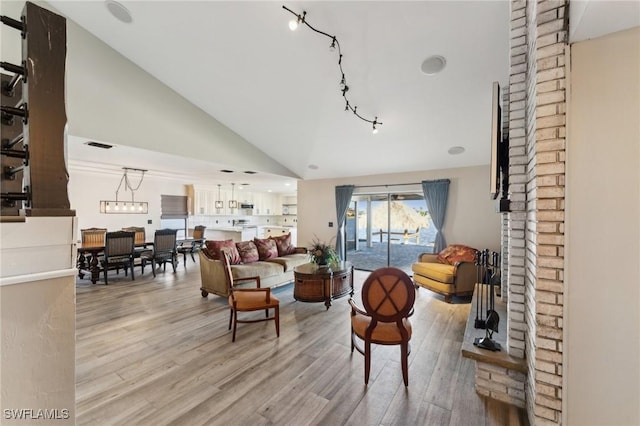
(322, 253)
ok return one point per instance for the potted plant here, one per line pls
(322, 253)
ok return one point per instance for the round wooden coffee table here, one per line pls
(314, 283)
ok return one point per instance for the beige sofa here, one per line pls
(272, 272)
(450, 277)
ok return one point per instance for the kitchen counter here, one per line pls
(235, 233)
(274, 231)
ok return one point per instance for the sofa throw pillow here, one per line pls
(267, 248)
(283, 243)
(457, 253)
(214, 247)
(248, 251)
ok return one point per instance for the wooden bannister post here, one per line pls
(43, 116)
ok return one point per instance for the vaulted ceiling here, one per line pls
(279, 89)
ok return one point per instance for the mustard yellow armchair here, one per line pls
(452, 272)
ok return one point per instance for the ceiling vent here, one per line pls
(99, 145)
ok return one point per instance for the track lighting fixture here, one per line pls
(301, 19)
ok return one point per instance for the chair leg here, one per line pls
(235, 323)
(174, 262)
(192, 258)
(277, 321)
(133, 278)
(106, 280)
(404, 354)
(353, 336)
(153, 267)
(367, 361)
(230, 317)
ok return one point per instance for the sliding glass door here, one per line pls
(388, 229)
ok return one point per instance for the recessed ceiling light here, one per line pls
(226, 171)
(250, 172)
(313, 167)
(433, 65)
(120, 12)
(455, 150)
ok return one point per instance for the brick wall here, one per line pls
(500, 383)
(535, 225)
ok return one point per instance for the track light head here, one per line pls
(332, 48)
(294, 23)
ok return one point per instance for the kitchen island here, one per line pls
(275, 231)
(235, 233)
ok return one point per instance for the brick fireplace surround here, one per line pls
(533, 231)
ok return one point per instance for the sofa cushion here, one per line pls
(290, 261)
(435, 271)
(267, 248)
(248, 251)
(283, 243)
(457, 253)
(261, 269)
(214, 248)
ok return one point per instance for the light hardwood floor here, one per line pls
(154, 352)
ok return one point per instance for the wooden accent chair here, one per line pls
(194, 246)
(388, 295)
(164, 250)
(118, 253)
(249, 299)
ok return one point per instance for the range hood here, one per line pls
(246, 206)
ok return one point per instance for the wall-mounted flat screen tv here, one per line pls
(496, 114)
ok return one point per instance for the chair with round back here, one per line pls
(388, 295)
(249, 299)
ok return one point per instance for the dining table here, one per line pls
(94, 251)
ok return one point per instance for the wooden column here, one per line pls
(45, 177)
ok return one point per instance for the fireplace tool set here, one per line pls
(487, 267)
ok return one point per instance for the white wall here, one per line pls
(602, 318)
(86, 189)
(471, 215)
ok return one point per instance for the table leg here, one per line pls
(82, 265)
(95, 269)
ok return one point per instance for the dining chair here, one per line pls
(164, 250)
(197, 241)
(248, 299)
(388, 295)
(140, 243)
(89, 236)
(118, 253)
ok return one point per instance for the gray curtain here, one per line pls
(436, 194)
(343, 198)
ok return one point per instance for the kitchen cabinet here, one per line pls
(202, 202)
(266, 204)
(289, 209)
